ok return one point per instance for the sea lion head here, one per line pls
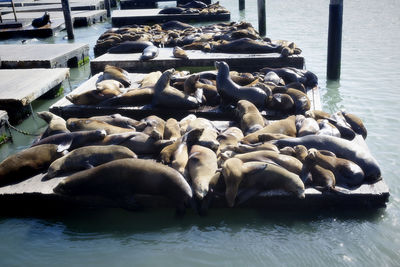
(232, 172)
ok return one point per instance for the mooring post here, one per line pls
(262, 29)
(334, 39)
(107, 4)
(67, 17)
(241, 5)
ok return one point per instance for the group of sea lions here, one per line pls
(231, 37)
(195, 7)
(281, 90)
(193, 160)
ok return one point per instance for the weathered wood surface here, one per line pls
(165, 60)
(66, 109)
(131, 4)
(30, 31)
(53, 7)
(21, 87)
(20, 3)
(121, 18)
(43, 55)
(79, 18)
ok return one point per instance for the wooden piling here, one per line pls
(262, 29)
(107, 4)
(334, 39)
(241, 5)
(68, 20)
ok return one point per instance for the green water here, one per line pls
(368, 87)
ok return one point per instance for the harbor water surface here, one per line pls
(368, 87)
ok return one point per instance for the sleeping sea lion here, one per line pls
(251, 119)
(76, 124)
(118, 74)
(56, 124)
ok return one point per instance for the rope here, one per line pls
(18, 130)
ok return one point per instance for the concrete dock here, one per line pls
(54, 7)
(43, 55)
(132, 4)
(79, 18)
(197, 58)
(121, 18)
(21, 3)
(28, 31)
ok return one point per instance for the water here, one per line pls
(368, 87)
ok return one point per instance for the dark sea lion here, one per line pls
(56, 124)
(258, 176)
(76, 124)
(189, 86)
(179, 53)
(149, 52)
(124, 178)
(91, 97)
(175, 25)
(355, 151)
(171, 10)
(169, 97)
(246, 46)
(155, 126)
(172, 131)
(326, 128)
(143, 144)
(120, 121)
(73, 140)
(289, 75)
(242, 79)
(87, 157)
(129, 47)
(346, 172)
(356, 124)
(273, 77)
(202, 166)
(118, 74)
(42, 21)
(134, 97)
(27, 163)
(285, 126)
(251, 119)
(232, 92)
(281, 102)
(194, 4)
(301, 101)
(339, 121)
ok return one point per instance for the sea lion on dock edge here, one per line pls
(232, 92)
(43, 20)
(56, 124)
(118, 74)
(85, 158)
(129, 47)
(179, 53)
(27, 163)
(356, 124)
(257, 177)
(123, 178)
(149, 52)
(91, 97)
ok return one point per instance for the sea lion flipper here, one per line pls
(87, 165)
(65, 144)
(246, 194)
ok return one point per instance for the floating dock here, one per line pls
(79, 18)
(43, 55)
(121, 18)
(18, 88)
(132, 4)
(197, 58)
(55, 7)
(21, 3)
(28, 31)
(66, 109)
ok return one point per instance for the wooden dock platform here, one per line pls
(43, 55)
(121, 18)
(29, 31)
(79, 18)
(21, 3)
(55, 7)
(133, 4)
(197, 58)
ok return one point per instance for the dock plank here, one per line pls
(43, 55)
(197, 58)
(22, 86)
(121, 18)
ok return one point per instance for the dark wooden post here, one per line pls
(262, 29)
(241, 5)
(67, 17)
(108, 7)
(334, 39)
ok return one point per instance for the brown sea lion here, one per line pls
(209, 135)
(143, 144)
(120, 121)
(231, 92)
(258, 176)
(244, 148)
(317, 114)
(134, 97)
(92, 97)
(356, 124)
(56, 124)
(285, 126)
(229, 137)
(172, 131)
(266, 137)
(76, 124)
(301, 100)
(308, 126)
(251, 119)
(281, 102)
(246, 45)
(150, 79)
(326, 128)
(129, 47)
(202, 165)
(118, 74)
(155, 126)
(110, 85)
(123, 178)
(87, 157)
(27, 163)
(179, 53)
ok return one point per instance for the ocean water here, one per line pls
(368, 87)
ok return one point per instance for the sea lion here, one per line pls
(339, 121)
(155, 126)
(308, 126)
(251, 119)
(76, 124)
(143, 144)
(289, 75)
(356, 124)
(194, 4)
(273, 77)
(129, 47)
(27, 163)
(346, 172)
(258, 176)
(172, 131)
(175, 25)
(202, 165)
(87, 157)
(244, 148)
(149, 52)
(232, 92)
(110, 86)
(73, 140)
(326, 128)
(56, 124)
(189, 86)
(246, 45)
(43, 20)
(229, 137)
(178, 52)
(123, 178)
(266, 137)
(118, 74)
(301, 101)
(169, 97)
(209, 135)
(150, 79)
(355, 151)
(281, 102)
(134, 97)
(285, 126)
(171, 10)
(120, 121)
(317, 114)
(91, 97)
